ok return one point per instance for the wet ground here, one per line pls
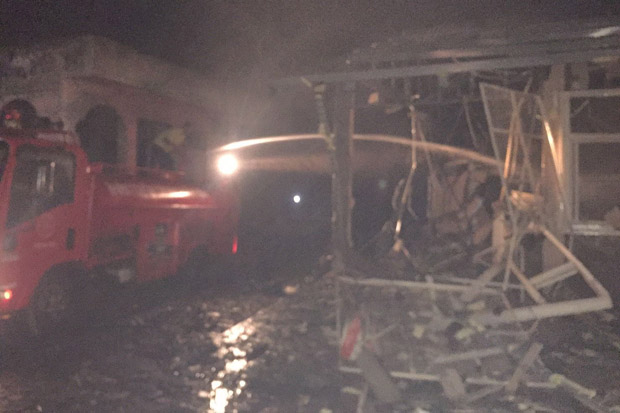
(155, 359)
(185, 346)
(250, 344)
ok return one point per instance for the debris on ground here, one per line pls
(464, 307)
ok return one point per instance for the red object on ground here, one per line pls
(352, 340)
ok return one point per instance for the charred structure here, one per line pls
(458, 296)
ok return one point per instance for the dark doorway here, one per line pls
(99, 132)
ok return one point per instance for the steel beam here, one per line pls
(407, 51)
(342, 172)
(452, 67)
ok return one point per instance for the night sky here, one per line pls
(241, 44)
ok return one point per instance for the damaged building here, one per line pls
(463, 294)
(113, 98)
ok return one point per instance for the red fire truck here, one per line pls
(64, 221)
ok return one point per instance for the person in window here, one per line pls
(164, 147)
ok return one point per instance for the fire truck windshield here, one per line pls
(42, 179)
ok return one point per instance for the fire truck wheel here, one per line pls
(53, 304)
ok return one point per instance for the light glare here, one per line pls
(604, 32)
(227, 164)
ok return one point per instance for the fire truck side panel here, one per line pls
(151, 225)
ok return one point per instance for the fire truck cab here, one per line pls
(64, 221)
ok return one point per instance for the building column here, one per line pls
(342, 170)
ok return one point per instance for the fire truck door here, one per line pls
(41, 215)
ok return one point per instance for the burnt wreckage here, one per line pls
(457, 298)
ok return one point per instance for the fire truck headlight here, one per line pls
(7, 294)
(227, 164)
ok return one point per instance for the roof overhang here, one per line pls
(460, 50)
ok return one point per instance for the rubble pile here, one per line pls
(428, 332)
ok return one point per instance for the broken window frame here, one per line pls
(570, 161)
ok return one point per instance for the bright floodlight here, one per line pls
(296, 198)
(227, 164)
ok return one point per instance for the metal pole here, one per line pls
(342, 173)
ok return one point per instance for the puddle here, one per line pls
(230, 381)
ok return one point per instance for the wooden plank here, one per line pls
(554, 275)
(413, 285)
(469, 355)
(525, 363)
(531, 290)
(478, 285)
(478, 381)
(377, 378)
(540, 311)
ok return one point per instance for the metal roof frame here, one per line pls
(477, 50)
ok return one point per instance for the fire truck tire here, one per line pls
(54, 304)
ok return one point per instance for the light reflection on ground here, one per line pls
(227, 343)
(236, 365)
(219, 400)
